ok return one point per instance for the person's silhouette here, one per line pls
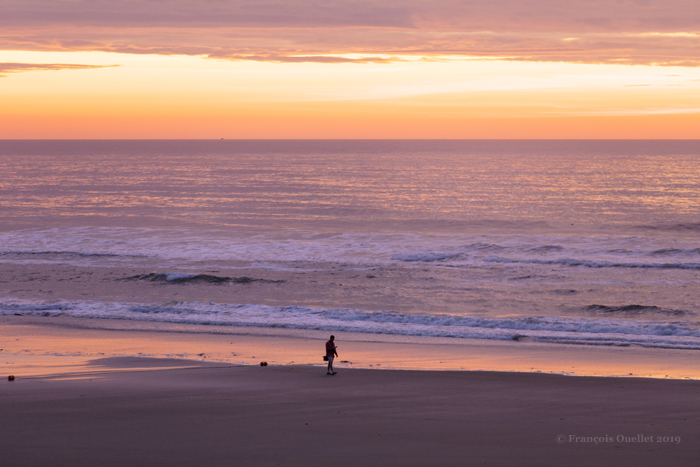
(331, 353)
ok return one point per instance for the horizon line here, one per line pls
(349, 139)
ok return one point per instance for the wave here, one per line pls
(636, 310)
(61, 253)
(182, 278)
(35, 309)
(196, 245)
(427, 257)
(681, 227)
(174, 249)
(675, 252)
(585, 331)
(594, 264)
(485, 247)
(564, 291)
(546, 249)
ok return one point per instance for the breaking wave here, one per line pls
(636, 310)
(594, 264)
(586, 331)
(60, 253)
(427, 257)
(675, 251)
(182, 278)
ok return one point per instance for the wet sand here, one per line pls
(36, 345)
(136, 411)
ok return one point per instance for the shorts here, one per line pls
(330, 359)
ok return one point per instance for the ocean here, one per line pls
(557, 241)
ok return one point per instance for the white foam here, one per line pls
(588, 331)
(427, 257)
(594, 264)
(102, 244)
(178, 276)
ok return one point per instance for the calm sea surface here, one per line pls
(591, 242)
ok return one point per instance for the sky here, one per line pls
(349, 69)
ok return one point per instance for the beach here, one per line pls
(76, 402)
(142, 411)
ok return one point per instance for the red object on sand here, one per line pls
(263, 363)
(11, 378)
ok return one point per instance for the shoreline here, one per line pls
(51, 345)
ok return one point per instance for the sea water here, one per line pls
(585, 242)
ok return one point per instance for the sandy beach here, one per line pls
(138, 412)
(74, 403)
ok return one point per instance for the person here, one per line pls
(331, 353)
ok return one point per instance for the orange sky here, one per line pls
(392, 69)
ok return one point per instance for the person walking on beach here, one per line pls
(331, 353)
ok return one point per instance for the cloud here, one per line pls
(207, 13)
(573, 15)
(307, 58)
(663, 32)
(24, 67)
(636, 112)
